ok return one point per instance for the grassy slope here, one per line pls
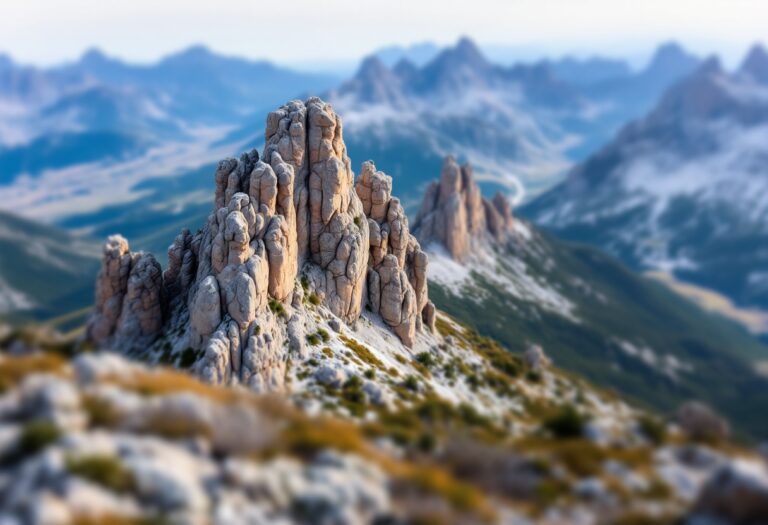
(48, 265)
(631, 308)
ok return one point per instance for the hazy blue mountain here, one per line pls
(589, 71)
(203, 86)
(418, 54)
(521, 126)
(682, 189)
(81, 136)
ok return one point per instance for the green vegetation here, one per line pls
(103, 470)
(566, 422)
(277, 308)
(615, 304)
(36, 436)
(313, 299)
(101, 413)
(653, 428)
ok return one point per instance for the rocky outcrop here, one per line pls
(454, 214)
(701, 423)
(130, 299)
(737, 493)
(231, 292)
(397, 277)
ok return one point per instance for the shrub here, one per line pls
(411, 383)
(103, 470)
(313, 339)
(101, 413)
(36, 436)
(352, 392)
(324, 335)
(533, 376)
(653, 429)
(425, 358)
(313, 299)
(277, 307)
(370, 373)
(566, 422)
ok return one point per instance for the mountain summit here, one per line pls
(292, 215)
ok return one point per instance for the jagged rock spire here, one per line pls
(454, 214)
(292, 214)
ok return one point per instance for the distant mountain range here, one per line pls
(682, 190)
(521, 126)
(100, 146)
(102, 110)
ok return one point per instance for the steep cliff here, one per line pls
(289, 229)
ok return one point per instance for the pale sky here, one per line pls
(292, 31)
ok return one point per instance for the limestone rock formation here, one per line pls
(129, 297)
(454, 214)
(230, 297)
(397, 279)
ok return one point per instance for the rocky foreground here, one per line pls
(99, 439)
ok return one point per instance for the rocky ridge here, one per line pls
(288, 226)
(454, 214)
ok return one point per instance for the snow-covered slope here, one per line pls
(682, 190)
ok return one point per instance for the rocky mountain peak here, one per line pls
(287, 226)
(755, 64)
(670, 58)
(455, 215)
(698, 96)
(456, 68)
(374, 83)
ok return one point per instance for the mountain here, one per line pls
(44, 272)
(506, 119)
(521, 125)
(524, 287)
(332, 389)
(589, 71)
(680, 190)
(418, 54)
(199, 85)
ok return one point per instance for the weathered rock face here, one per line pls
(130, 299)
(454, 213)
(232, 289)
(397, 280)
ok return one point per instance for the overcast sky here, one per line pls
(292, 31)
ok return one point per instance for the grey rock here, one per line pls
(332, 376)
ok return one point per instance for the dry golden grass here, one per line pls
(304, 437)
(14, 369)
(162, 382)
(582, 457)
